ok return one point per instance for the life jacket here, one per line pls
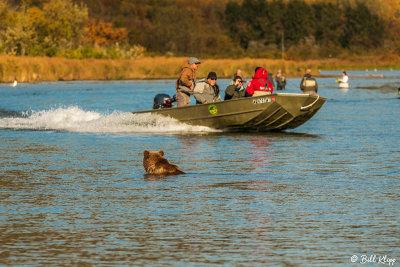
(309, 83)
(260, 82)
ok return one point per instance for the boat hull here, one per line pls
(274, 112)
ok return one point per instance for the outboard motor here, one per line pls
(163, 101)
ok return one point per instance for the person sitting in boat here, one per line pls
(235, 89)
(238, 73)
(186, 82)
(280, 81)
(259, 85)
(207, 90)
(308, 84)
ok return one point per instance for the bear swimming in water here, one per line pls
(155, 163)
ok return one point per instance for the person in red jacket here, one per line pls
(259, 85)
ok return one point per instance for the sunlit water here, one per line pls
(74, 191)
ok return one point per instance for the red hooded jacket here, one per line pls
(260, 82)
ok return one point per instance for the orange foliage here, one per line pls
(102, 33)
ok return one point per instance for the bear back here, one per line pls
(155, 163)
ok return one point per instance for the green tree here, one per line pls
(362, 28)
(298, 22)
(253, 22)
(171, 29)
(329, 28)
(276, 12)
(238, 29)
(255, 15)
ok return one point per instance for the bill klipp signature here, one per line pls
(363, 259)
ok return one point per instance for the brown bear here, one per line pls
(155, 163)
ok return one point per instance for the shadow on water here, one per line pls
(275, 134)
(157, 177)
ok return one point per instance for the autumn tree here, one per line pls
(232, 28)
(20, 37)
(102, 33)
(17, 32)
(60, 25)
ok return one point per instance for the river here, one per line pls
(74, 191)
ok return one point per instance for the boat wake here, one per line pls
(74, 119)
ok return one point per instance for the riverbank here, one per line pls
(35, 69)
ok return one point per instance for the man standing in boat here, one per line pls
(186, 82)
(308, 84)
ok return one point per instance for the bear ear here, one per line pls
(146, 153)
(161, 152)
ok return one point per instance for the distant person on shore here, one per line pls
(235, 89)
(186, 82)
(308, 84)
(207, 90)
(259, 85)
(280, 81)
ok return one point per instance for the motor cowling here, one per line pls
(163, 101)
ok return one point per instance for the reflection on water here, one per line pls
(313, 196)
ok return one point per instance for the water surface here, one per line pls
(74, 191)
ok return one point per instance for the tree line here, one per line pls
(292, 29)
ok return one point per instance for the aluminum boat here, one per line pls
(275, 112)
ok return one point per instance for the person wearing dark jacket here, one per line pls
(308, 84)
(235, 90)
(280, 81)
(271, 80)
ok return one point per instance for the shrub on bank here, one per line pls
(110, 52)
(32, 69)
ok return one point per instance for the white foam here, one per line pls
(74, 119)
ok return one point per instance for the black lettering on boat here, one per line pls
(261, 100)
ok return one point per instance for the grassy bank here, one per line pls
(34, 69)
